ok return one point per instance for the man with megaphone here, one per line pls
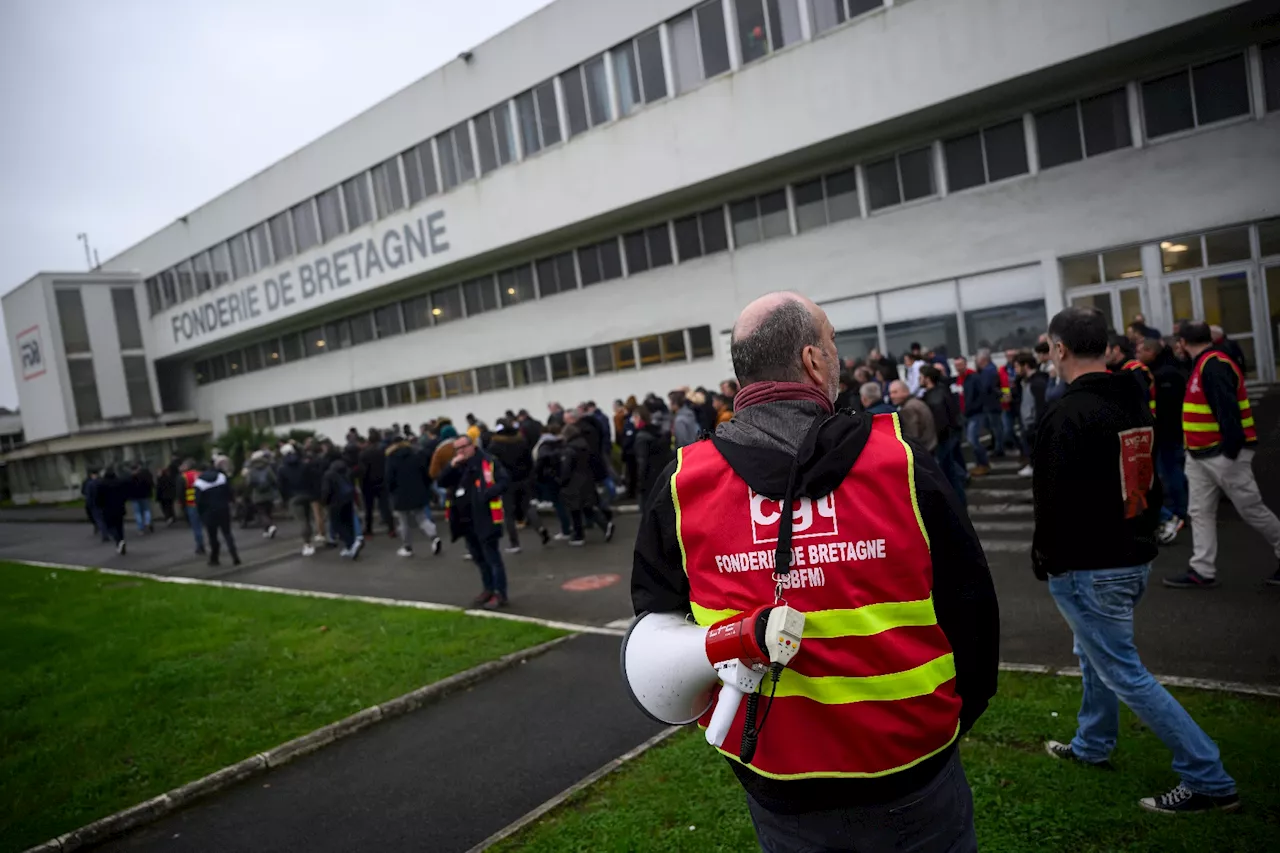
(847, 631)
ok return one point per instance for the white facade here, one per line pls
(915, 98)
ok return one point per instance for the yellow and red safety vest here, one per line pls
(190, 477)
(872, 690)
(495, 505)
(1134, 364)
(1006, 392)
(1200, 429)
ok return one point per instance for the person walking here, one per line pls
(212, 505)
(1229, 348)
(509, 447)
(89, 491)
(264, 491)
(1170, 387)
(982, 410)
(1217, 423)
(167, 493)
(373, 477)
(840, 773)
(189, 477)
(1096, 504)
(299, 489)
(724, 408)
(1121, 356)
(112, 497)
(338, 494)
(475, 482)
(141, 488)
(914, 416)
(872, 398)
(652, 452)
(684, 421)
(546, 474)
(1033, 386)
(578, 483)
(408, 483)
(946, 419)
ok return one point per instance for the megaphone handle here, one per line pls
(722, 717)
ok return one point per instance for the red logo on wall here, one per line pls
(810, 519)
(1137, 471)
(31, 353)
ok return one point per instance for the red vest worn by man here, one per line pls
(872, 690)
(1200, 429)
(1134, 365)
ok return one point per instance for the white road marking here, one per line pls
(620, 624)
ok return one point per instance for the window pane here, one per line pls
(516, 285)
(355, 192)
(746, 222)
(610, 259)
(624, 74)
(688, 244)
(128, 328)
(858, 7)
(281, 415)
(492, 377)
(964, 162)
(811, 208)
(624, 355)
(1181, 253)
(291, 347)
(917, 173)
(430, 183)
(1220, 246)
(1106, 122)
(685, 68)
(882, 184)
(700, 341)
(637, 252)
(650, 350)
(528, 115)
(715, 237)
(252, 358)
(348, 403)
(362, 329)
(774, 221)
(462, 145)
(1057, 138)
(752, 37)
(261, 246)
(271, 353)
(84, 390)
(1080, 271)
(1221, 89)
(302, 413)
(337, 335)
(446, 305)
(602, 358)
(330, 220)
(186, 280)
(413, 176)
(547, 283)
(315, 341)
(1166, 104)
(235, 363)
(589, 265)
(842, 195)
(281, 238)
(1269, 243)
(578, 365)
(387, 320)
(575, 101)
(448, 160)
(217, 368)
(75, 332)
(565, 272)
(653, 80)
(1271, 74)
(154, 302)
(387, 192)
(1006, 146)
(1122, 263)
(548, 118)
(826, 14)
(204, 272)
(458, 384)
(931, 333)
(673, 346)
(371, 400)
(220, 258)
(417, 313)
(598, 107)
(323, 407)
(487, 153)
(504, 134)
(305, 226)
(238, 250)
(430, 388)
(538, 370)
(399, 394)
(1005, 327)
(559, 366)
(659, 240)
(784, 22)
(480, 295)
(714, 40)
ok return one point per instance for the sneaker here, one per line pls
(169, 522)
(321, 539)
(1064, 752)
(546, 536)
(235, 561)
(608, 532)
(466, 555)
(271, 532)
(577, 543)
(120, 547)
(980, 471)
(1168, 530)
(436, 544)
(356, 547)
(1191, 580)
(404, 552)
(512, 549)
(308, 550)
(344, 553)
(562, 537)
(151, 528)
(1182, 800)
(1025, 471)
(493, 602)
(481, 599)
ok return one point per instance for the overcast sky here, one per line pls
(119, 116)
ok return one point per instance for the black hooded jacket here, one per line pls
(299, 478)
(963, 594)
(408, 476)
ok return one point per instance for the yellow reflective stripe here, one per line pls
(865, 621)
(705, 616)
(835, 774)
(1188, 426)
(890, 687)
(675, 498)
(911, 480)
(1244, 405)
(1246, 423)
(1196, 409)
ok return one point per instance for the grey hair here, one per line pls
(771, 352)
(869, 391)
(983, 353)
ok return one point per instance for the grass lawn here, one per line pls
(115, 690)
(681, 796)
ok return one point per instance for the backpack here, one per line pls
(344, 492)
(259, 479)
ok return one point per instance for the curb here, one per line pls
(1266, 690)
(151, 810)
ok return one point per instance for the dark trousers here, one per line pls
(599, 516)
(1170, 467)
(947, 454)
(488, 559)
(518, 500)
(215, 523)
(344, 523)
(938, 818)
(376, 493)
(166, 508)
(629, 462)
(113, 529)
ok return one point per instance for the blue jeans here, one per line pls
(488, 559)
(98, 523)
(973, 429)
(1169, 468)
(548, 492)
(142, 513)
(355, 526)
(954, 471)
(1009, 432)
(197, 529)
(1098, 606)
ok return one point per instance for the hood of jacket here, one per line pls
(339, 467)
(213, 477)
(447, 431)
(292, 460)
(400, 449)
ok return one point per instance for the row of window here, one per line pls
(680, 345)
(611, 85)
(76, 345)
(1082, 128)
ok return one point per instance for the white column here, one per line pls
(1033, 153)
(939, 169)
(562, 111)
(615, 103)
(791, 208)
(806, 23)
(863, 209)
(1153, 287)
(1134, 94)
(513, 114)
(668, 69)
(1257, 88)
(731, 35)
(1051, 275)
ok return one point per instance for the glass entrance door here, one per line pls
(1118, 303)
(1223, 299)
(1271, 313)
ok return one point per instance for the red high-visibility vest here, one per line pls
(1200, 428)
(1006, 393)
(872, 690)
(190, 478)
(1134, 364)
(495, 505)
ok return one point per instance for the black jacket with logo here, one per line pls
(1097, 499)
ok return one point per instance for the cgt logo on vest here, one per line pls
(809, 520)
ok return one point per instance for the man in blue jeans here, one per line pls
(982, 410)
(1170, 388)
(1097, 504)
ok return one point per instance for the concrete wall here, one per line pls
(45, 407)
(104, 340)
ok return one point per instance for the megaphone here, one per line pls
(671, 666)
